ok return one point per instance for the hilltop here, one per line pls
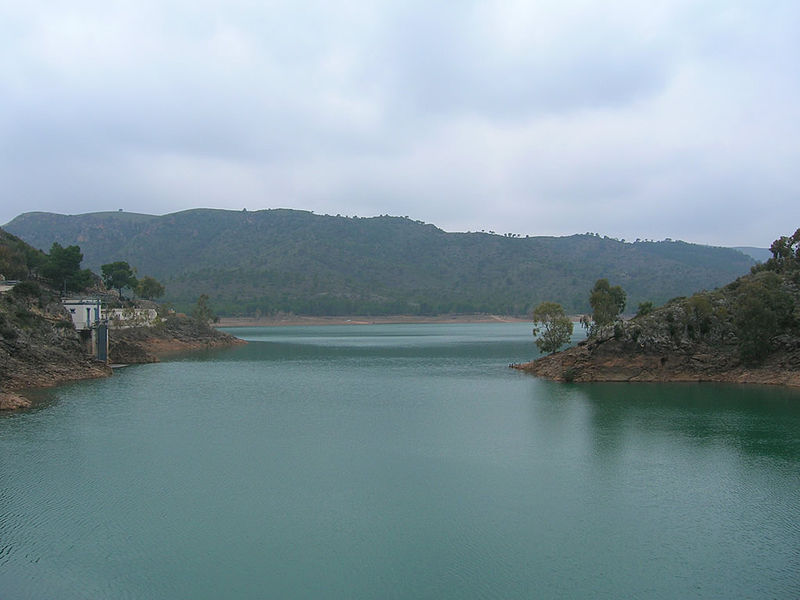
(745, 332)
(271, 261)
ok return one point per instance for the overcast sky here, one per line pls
(631, 119)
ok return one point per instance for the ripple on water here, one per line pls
(352, 468)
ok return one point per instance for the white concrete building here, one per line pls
(92, 328)
(85, 312)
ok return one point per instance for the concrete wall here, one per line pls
(123, 318)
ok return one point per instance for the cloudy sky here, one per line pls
(633, 119)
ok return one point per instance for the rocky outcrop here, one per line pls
(609, 359)
(39, 347)
(11, 401)
(746, 332)
(138, 345)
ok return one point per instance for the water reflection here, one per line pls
(341, 468)
(759, 420)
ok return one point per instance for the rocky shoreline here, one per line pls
(50, 353)
(599, 360)
(745, 332)
(139, 345)
(39, 347)
(12, 395)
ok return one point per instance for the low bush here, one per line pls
(570, 374)
(27, 289)
(8, 333)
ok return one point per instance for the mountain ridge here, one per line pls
(285, 260)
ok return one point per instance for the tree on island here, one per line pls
(607, 302)
(645, 308)
(118, 275)
(149, 288)
(552, 325)
(202, 312)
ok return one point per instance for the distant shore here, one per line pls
(287, 320)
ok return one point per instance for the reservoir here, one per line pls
(396, 461)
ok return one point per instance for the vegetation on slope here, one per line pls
(755, 315)
(38, 342)
(271, 261)
(748, 330)
(39, 345)
(17, 259)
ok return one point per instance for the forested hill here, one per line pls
(296, 261)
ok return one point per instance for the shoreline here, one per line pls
(611, 360)
(739, 376)
(297, 320)
(13, 396)
(136, 345)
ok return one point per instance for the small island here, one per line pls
(745, 332)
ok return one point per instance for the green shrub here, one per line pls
(570, 374)
(763, 310)
(699, 306)
(27, 289)
(27, 319)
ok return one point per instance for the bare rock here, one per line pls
(10, 401)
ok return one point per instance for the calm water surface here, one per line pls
(396, 461)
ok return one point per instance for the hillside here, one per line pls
(262, 262)
(745, 332)
(38, 344)
(757, 254)
(40, 347)
(16, 257)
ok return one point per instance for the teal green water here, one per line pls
(396, 461)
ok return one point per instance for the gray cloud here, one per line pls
(634, 120)
(454, 61)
